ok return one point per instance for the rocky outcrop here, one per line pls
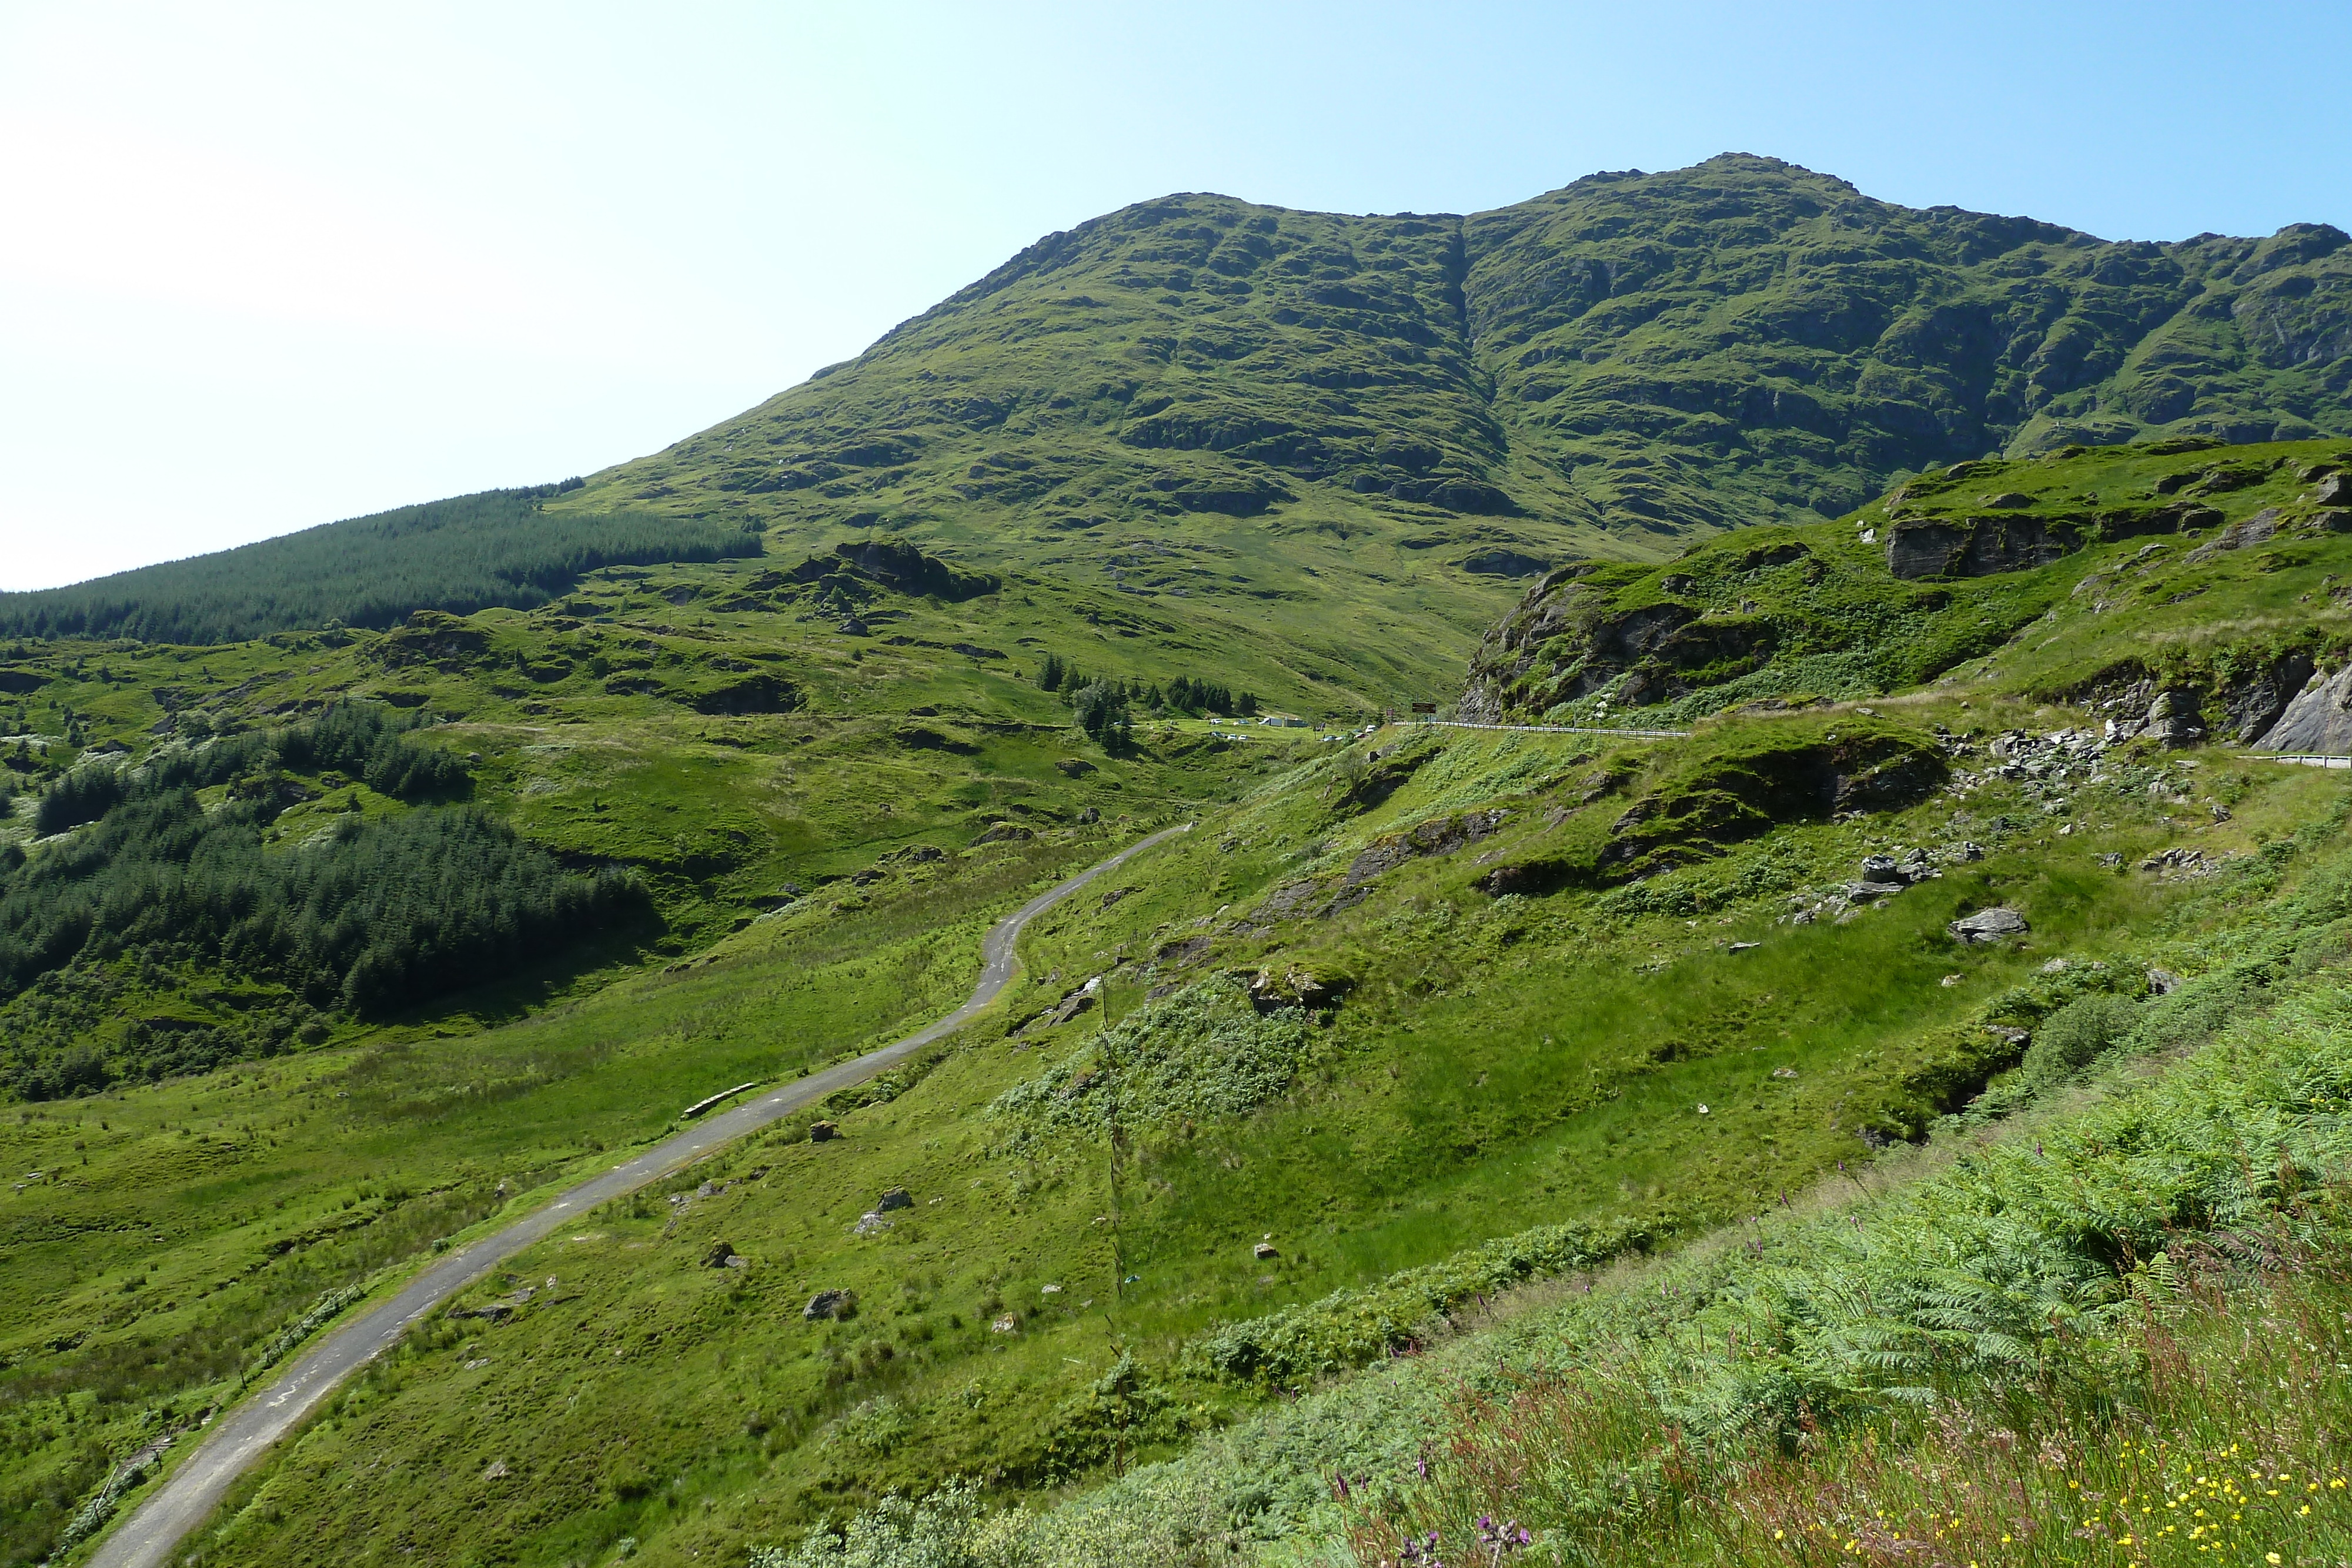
(1567, 639)
(856, 568)
(2255, 705)
(2256, 530)
(2173, 720)
(753, 693)
(2318, 720)
(830, 1304)
(2244, 705)
(1735, 796)
(1294, 988)
(1974, 547)
(1439, 836)
(1983, 544)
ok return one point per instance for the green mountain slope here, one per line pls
(1425, 1013)
(1629, 360)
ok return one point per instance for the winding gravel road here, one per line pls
(234, 1441)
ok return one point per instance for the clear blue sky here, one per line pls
(266, 266)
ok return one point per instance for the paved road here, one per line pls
(236, 1440)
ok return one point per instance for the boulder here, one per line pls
(1879, 868)
(718, 1255)
(2162, 982)
(830, 1304)
(1264, 1250)
(1090, 816)
(1989, 926)
(822, 1132)
(1004, 833)
(2334, 490)
(896, 1197)
(869, 1224)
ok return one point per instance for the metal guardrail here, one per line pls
(1554, 728)
(2309, 758)
(699, 1106)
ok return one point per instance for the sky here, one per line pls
(266, 266)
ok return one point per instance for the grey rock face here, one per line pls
(1972, 547)
(2319, 719)
(2253, 706)
(1070, 1007)
(2251, 530)
(1989, 926)
(2162, 982)
(2173, 720)
(896, 1197)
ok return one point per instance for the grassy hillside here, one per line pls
(2098, 550)
(720, 763)
(1427, 1014)
(1609, 370)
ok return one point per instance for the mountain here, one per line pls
(1654, 1089)
(1627, 362)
